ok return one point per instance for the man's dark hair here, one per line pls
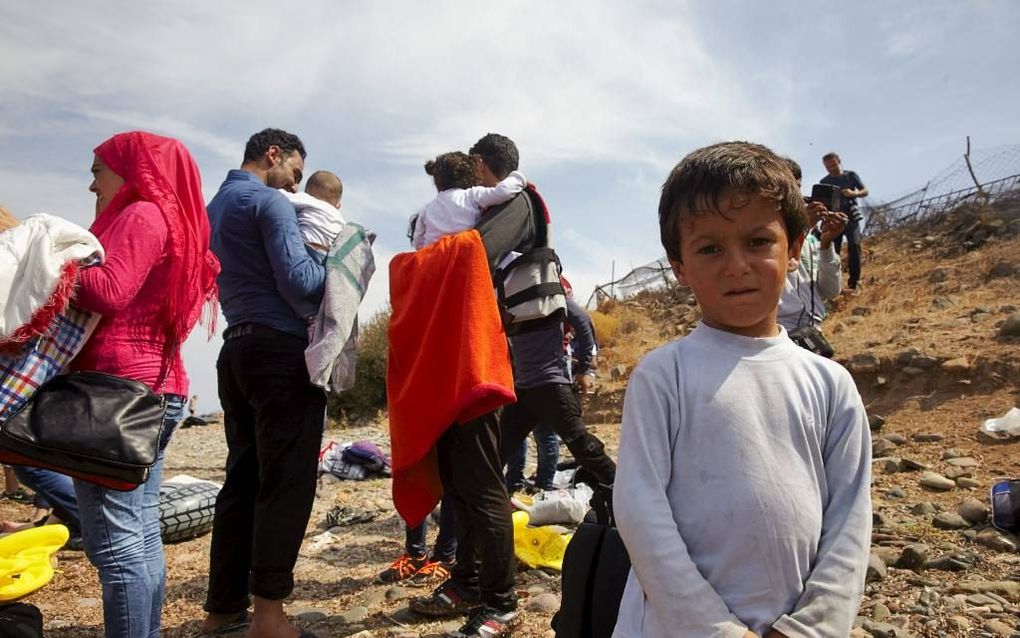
(794, 168)
(452, 170)
(740, 170)
(259, 143)
(830, 155)
(498, 152)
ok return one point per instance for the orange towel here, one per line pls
(448, 360)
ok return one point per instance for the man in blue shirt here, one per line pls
(274, 416)
(851, 188)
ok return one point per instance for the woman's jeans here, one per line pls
(121, 535)
(446, 541)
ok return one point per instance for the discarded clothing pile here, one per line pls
(354, 461)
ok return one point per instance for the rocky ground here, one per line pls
(933, 341)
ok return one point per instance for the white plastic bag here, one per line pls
(1006, 425)
(565, 507)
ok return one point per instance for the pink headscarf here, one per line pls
(160, 170)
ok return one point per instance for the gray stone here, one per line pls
(968, 483)
(958, 365)
(875, 422)
(1008, 589)
(928, 437)
(308, 614)
(924, 508)
(895, 437)
(880, 612)
(973, 510)
(950, 520)
(882, 447)
(889, 555)
(903, 358)
(951, 453)
(913, 557)
(910, 465)
(911, 371)
(938, 275)
(884, 630)
(891, 464)
(960, 623)
(954, 473)
(544, 603)
(963, 461)
(864, 362)
(949, 563)
(924, 362)
(1003, 269)
(996, 540)
(88, 603)
(896, 492)
(876, 569)
(998, 628)
(354, 615)
(936, 481)
(1011, 327)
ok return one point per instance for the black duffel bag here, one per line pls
(95, 426)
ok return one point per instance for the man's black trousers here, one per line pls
(273, 419)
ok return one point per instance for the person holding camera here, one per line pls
(851, 189)
(817, 278)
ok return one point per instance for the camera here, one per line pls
(829, 196)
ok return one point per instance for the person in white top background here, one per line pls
(460, 199)
(745, 458)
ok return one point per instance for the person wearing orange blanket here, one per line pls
(482, 580)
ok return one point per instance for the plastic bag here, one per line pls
(539, 546)
(564, 507)
(1008, 425)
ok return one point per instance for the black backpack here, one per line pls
(595, 570)
(528, 288)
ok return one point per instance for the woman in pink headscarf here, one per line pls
(158, 274)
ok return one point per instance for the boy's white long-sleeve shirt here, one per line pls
(457, 209)
(742, 491)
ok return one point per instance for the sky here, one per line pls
(602, 99)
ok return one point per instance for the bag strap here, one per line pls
(547, 289)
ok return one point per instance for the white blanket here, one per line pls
(32, 255)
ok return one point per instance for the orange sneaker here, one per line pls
(402, 568)
(431, 573)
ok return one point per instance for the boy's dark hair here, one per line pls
(452, 170)
(794, 168)
(325, 185)
(498, 152)
(830, 155)
(740, 169)
(259, 143)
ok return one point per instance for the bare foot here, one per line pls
(218, 622)
(8, 527)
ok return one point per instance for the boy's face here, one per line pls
(736, 264)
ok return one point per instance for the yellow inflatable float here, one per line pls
(27, 559)
(539, 546)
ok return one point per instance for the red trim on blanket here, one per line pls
(43, 317)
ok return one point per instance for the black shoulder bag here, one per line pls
(95, 426)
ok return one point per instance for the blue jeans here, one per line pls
(446, 542)
(55, 491)
(121, 535)
(547, 445)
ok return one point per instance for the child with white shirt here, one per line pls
(318, 210)
(745, 458)
(460, 200)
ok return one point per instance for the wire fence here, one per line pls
(993, 175)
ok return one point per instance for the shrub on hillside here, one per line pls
(368, 396)
(606, 326)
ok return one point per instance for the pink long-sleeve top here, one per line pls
(127, 290)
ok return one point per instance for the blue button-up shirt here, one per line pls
(267, 275)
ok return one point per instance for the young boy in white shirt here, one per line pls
(745, 458)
